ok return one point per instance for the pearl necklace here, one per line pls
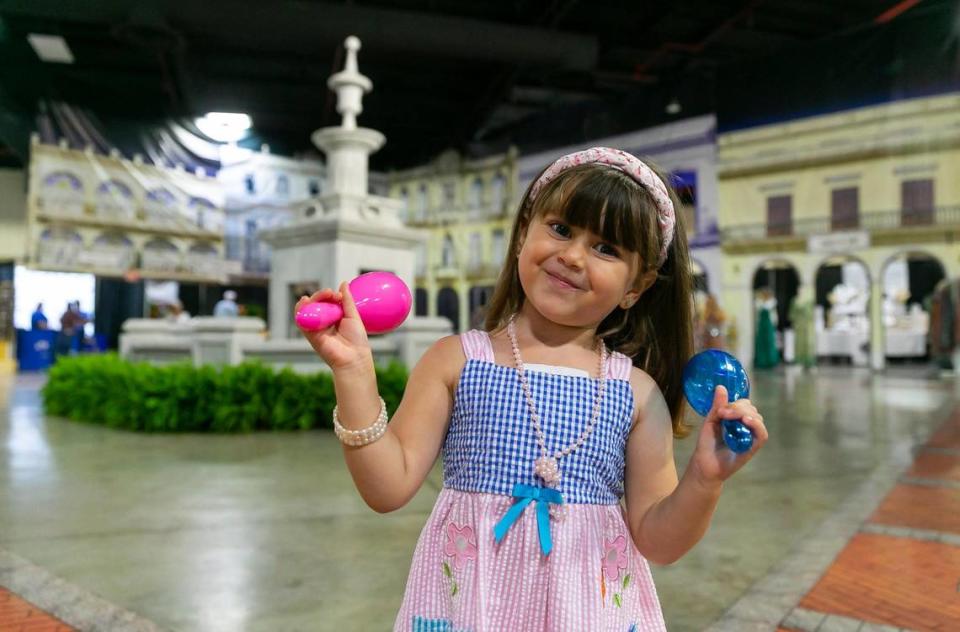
(547, 466)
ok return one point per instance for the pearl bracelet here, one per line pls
(364, 436)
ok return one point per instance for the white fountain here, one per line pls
(346, 231)
(334, 237)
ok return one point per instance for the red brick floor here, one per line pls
(948, 436)
(932, 465)
(902, 581)
(896, 581)
(17, 615)
(935, 508)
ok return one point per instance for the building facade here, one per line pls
(112, 217)
(262, 191)
(855, 212)
(466, 207)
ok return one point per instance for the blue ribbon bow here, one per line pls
(524, 495)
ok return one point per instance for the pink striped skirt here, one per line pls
(462, 581)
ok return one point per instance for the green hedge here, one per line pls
(105, 389)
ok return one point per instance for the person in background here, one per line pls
(713, 322)
(38, 320)
(71, 324)
(177, 314)
(227, 306)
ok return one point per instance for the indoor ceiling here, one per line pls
(473, 75)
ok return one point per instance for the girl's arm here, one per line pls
(668, 517)
(389, 471)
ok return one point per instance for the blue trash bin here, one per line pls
(35, 349)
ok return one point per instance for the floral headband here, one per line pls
(633, 167)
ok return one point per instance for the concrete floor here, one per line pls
(265, 532)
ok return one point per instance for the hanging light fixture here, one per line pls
(225, 127)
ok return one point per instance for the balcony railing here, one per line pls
(941, 216)
(252, 262)
(482, 271)
(458, 214)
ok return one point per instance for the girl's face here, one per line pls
(573, 277)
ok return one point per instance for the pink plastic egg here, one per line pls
(383, 301)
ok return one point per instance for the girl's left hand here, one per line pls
(713, 461)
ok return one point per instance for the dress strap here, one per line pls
(619, 367)
(476, 345)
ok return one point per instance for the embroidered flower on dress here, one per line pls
(614, 557)
(461, 544)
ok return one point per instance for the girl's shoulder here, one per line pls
(642, 382)
(646, 392)
(444, 359)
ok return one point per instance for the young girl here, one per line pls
(565, 405)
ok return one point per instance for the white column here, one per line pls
(877, 359)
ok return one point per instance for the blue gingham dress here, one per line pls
(463, 578)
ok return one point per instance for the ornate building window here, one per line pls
(476, 254)
(476, 193)
(779, 215)
(449, 196)
(202, 212)
(405, 210)
(498, 193)
(283, 185)
(845, 208)
(498, 245)
(916, 202)
(115, 200)
(160, 254)
(421, 261)
(422, 203)
(161, 206)
(448, 254)
(62, 193)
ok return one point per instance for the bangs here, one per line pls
(608, 203)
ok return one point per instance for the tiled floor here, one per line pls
(265, 532)
(902, 571)
(17, 615)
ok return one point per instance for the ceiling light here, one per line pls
(673, 107)
(226, 127)
(51, 48)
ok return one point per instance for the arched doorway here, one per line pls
(842, 310)
(775, 285)
(448, 306)
(420, 301)
(908, 281)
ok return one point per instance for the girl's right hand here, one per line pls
(344, 345)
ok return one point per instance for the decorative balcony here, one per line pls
(483, 271)
(884, 227)
(446, 272)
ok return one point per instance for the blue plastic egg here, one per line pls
(702, 374)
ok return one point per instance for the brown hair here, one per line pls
(657, 331)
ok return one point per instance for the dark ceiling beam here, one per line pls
(15, 128)
(281, 96)
(805, 19)
(387, 78)
(315, 27)
(646, 68)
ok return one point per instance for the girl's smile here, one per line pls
(570, 274)
(562, 281)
